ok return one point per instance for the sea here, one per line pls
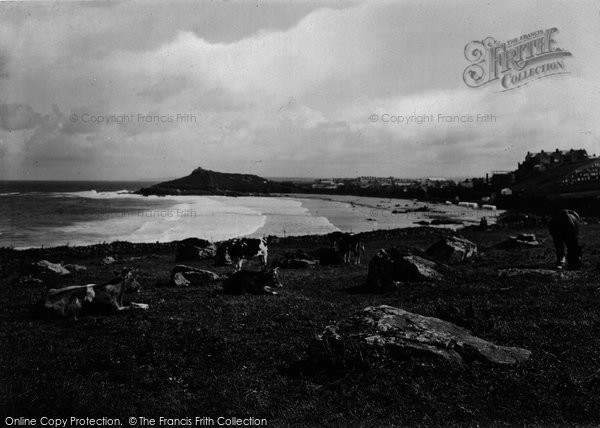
(54, 213)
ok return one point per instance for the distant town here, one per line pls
(542, 182)
(545, 173)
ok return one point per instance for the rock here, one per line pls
(108, 260)
(525, 239)
(194, 249)
(28, 280)
(55, 268)
(134, 305)
(296, 260)
(386, 331)
(394, 265)
(75, 268)
(184, 276)
(415, 268)
(453, 249)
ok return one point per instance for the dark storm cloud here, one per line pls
(289, 83)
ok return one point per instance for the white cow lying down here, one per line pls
(70, 302)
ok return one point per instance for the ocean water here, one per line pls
(35, 214)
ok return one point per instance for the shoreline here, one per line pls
(126, 247)
(331, 213)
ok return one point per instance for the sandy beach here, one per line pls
(361, 214)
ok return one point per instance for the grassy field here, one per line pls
(198, 352)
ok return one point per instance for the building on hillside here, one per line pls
(538, 162)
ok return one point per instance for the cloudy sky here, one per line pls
(281, 88)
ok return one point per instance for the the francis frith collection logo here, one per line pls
(516, 62)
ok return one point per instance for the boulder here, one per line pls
(54, 268)
(184, 276)
(296, 260)
(75, 268)
(393, 266)
(194, 249)
(134, 305)
(108, 260)
(525, 239)
(453, 249)
(389, 332)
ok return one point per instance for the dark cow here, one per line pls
(347, 245)
(238, 250)
(564, 228)
(70, 302)
(253, 282)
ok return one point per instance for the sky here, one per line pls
(146, 90)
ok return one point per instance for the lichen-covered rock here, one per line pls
(55, 268)
(452, 249)
(194, 249)
(394, 265)
(389, 332)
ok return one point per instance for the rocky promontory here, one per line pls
(206, 182)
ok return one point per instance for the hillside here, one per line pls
(200, 352)
(205, 182)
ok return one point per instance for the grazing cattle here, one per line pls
(238, 250)
(182, 275)
(296, 260)
(564, 228)
(264, 282)
(70, 302)
(348, 245)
